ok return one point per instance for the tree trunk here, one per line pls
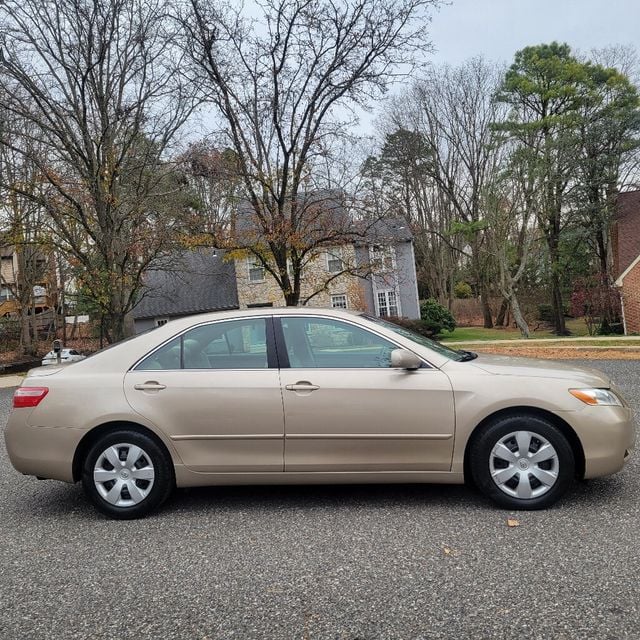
(486, 308)
(502, 313)
(518, 317)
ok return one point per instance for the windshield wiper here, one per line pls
(467, 355)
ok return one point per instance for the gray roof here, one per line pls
(385, 230)
(327, 212)
(194, 282)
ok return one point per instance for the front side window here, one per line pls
(236, 344)
(332, 344)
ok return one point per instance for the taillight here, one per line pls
(28, 396)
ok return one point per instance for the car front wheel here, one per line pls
(126, 474)
(522, 462)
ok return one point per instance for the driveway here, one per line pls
(339, 563)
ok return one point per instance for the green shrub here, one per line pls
(462, 290)
(436, 317)
(419, 326)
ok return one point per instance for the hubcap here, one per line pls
(123, 475)
(524, 465)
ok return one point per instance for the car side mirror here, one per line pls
(403, 359)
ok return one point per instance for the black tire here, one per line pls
(483, 463)
(153, 457)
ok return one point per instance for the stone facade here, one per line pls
(316, 282)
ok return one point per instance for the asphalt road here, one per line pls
(343, 563)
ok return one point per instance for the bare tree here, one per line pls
(97, 81)
(285, 86)
(454, 110)
(23, 232)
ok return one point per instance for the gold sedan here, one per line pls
(302, 395)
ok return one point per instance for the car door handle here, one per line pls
(150, 386)
(303, 385)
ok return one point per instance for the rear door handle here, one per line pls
(303, 385)
(150, 386)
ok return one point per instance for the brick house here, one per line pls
(625, 239)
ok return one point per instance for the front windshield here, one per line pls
(416, 337)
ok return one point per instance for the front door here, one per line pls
(346, 409)
(215, 391)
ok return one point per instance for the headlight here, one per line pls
(602, 397)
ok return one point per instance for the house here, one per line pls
(372, 271)
(193, 282)
(36, 269)
(625, 238)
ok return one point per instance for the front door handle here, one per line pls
(302, 385)
(150, 385)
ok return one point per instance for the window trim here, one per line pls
(272, 356)
(283, 355)
(340, 295)
(334, 254)
(251, 266)
(386, 292)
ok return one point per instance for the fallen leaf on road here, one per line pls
(511, 522)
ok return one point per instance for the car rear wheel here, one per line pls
(127, 474)
(522, 462)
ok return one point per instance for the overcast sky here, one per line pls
(498, 28)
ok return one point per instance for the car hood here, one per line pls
(531, 368)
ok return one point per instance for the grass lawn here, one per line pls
(577, 327)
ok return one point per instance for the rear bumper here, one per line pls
(41, 451)
(607, 435)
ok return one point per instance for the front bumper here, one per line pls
(607, 435)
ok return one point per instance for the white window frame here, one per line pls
(160, 322)
(387, 306)
(379, 255)
(335, 255)
(253, 264)
(343, 296)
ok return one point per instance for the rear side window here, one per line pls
(237, 344)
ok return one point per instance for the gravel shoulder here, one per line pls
(340, 563)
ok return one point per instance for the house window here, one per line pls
(5, 294)
(383, 259)
(256, 270)
(339, 301)
(159, 322)
(334, 260)
(387, 303)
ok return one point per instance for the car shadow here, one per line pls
(54, 500)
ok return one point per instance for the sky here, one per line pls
(498, 28)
